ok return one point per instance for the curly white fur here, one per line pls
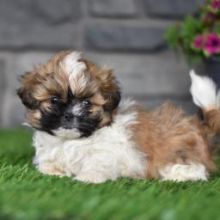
(72, 65)
(184, 172)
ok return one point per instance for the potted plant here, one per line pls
(198, 37)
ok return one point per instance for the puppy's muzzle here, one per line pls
(68, 116)
(74, 114)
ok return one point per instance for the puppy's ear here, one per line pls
(109, 89)
(25, 91)
(108, 85)
(27, 98)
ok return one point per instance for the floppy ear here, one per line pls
(26, 98)
(108, 84)
(24, 92)
(110, 90)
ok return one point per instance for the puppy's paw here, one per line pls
(184, 172)
(90, 177)
(50, 169)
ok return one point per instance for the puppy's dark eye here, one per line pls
(86, 103)
(55, 100)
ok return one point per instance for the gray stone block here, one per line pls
(161, 74)
(124, 37)
(2, 86)
(14, 111)
(152, 102)
(37, 24)
(171, 8)
(113, 8)
(57, 11)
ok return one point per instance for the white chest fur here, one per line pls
(108, 154)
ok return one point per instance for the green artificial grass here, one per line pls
(27, 194)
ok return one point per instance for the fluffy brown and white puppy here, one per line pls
(83, 132)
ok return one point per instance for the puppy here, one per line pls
(83, 130)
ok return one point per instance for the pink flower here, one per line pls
(198, 42)
(212, 44)
(215, 4)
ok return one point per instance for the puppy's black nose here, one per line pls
(68, 116)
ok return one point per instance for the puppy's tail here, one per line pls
(206, 96)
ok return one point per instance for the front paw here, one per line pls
(50, 169)
(90, 177)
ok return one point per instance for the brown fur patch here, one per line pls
(167, 136)
(212, 121)
(83, 85)
(33, 117)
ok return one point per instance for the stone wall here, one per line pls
(126, 35)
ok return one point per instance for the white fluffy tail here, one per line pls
(204, 92)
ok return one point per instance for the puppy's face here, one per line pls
(69, 97)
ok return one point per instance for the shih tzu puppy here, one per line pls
(84, 131)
